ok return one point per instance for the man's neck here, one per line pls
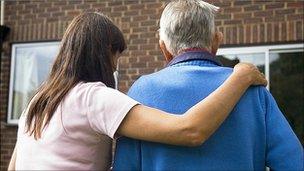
(194, 54)
(194, 49)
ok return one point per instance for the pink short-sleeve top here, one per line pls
(79, 135)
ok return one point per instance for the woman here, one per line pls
(70, 122)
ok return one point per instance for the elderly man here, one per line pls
(255, 134)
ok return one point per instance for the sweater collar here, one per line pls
(194, 54)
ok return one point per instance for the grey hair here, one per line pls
(187, 24)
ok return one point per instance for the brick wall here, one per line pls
(241, 21)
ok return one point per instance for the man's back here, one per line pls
(254, 135)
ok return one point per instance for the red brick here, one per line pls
(155, 52)
(131, 13)
(269, 33)
(73, 13)
(240, 35)
(253, 8)
(82, 6)
(115, 3)
(274, 5)
(295, 17)
(140, 30)
(263, 13)
(228, 34)
(275, 19)
(119, 8)
(138, 52)
(248, 34)
(295, 4)
(140, 18)
(153, 5)
(242, 15)
(59, 3)
(155, 64)
(146, 58)
(74, 2)
(262, 31)
(143, 71)
(38, 10)
(137, 7)
(223, 16)
(128, 2)
(291, 32)
(241, 3)
(139, 65)
(262, 2)
(30, 5)
(283, 32)
(148, 23)
(67, 7)
(234, 35)
(284, 11)
(58, 14)
(147, 35)
(45, 5)
(276, 32)
(299, 32)
(148, 12)
(232, 9)
(232, 22)
(253, 21)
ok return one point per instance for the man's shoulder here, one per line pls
(145, 82)
(176, 78)
(168, 72)
(149, 85)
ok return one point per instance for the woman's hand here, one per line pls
(249, 74)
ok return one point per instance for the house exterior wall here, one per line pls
(242, 22)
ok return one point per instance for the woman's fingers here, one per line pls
(260, 78)
(251, 72)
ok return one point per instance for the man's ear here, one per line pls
(166, 53)
(216, 41)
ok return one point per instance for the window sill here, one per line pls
(8, 124)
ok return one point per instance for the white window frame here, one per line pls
(11, 121)
(266, 49)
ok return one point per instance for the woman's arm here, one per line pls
(200, 121)
(12, 163)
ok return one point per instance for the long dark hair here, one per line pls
(85, 55)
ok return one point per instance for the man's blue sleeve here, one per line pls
(284, 151)
(127, 154)
(128, 151)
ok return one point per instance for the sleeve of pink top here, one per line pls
(107, 108)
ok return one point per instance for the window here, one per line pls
(283, 66)
(30, 65)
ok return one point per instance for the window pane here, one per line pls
(286, 85)
(31, 67)
(257, 59)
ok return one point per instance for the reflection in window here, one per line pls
(30, 66)
(287, 82)
(286, 76)
(257, 59)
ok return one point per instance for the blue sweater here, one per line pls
(255, 134)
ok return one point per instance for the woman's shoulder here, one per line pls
(84, 88)
(88, 85)
(92, 92)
